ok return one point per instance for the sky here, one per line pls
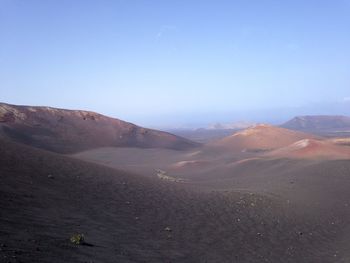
(177, 63)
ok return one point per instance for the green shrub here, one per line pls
(77, 239)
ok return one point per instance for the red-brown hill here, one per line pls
(312, 149)
(68, 131)
(261, 137)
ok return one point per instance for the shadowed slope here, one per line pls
(68, 131)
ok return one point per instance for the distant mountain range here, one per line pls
(230, 126)
(68, 131)
(319, 123)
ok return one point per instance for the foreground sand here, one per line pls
(131, 218)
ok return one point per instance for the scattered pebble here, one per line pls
(167, 229)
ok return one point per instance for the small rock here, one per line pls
(50, 176)
(167, 229)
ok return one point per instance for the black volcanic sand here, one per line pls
(130, 218)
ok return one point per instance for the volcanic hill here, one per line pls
(69, 131)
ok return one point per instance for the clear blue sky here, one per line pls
(171, 62)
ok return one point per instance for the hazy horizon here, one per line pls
(190, 63)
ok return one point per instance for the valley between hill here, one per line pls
(264, 194)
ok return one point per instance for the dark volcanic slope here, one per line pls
(67, 131)
(127, 218)
(314, 123)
